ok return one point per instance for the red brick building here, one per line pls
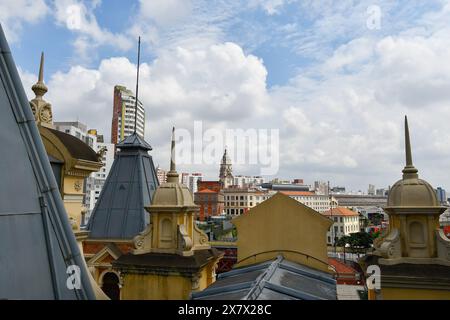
(210, 199)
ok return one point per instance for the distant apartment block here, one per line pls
(239, 200)
(247, 181)
(190, 180)
(162, 175)
(124, 113)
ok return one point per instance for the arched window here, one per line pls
(110, 285)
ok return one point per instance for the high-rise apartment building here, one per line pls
(190, 180)
(96, 181)
(124, 115)
(161, 174)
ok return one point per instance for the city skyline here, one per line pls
(307, 160)
(326, 87)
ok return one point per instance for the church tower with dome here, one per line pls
(414, 254)
(226, 171)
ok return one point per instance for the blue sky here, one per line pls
(335, 86)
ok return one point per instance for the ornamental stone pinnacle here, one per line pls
(42, 110)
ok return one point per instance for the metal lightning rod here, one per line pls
(137, 85)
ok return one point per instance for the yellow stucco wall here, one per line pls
(282, 223)
(162, 287)
(73, 206)
(414, 294)
(155, 287)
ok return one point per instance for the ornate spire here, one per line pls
(409, 171)
(42, 110)
(39, 88)
(172, 175)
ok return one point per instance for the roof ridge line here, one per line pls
(260, 283)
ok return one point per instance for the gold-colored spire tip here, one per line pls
(409, 171)
(39, 88)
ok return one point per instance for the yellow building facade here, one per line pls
(282, 225)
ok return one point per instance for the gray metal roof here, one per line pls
(120, 209)
(37, 243)
(280, 279)
(134, 141)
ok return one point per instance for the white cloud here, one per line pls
(14, 14)
(344, 117)
(80, 19)
(165, 12)
(271, 7)
(340, 119)
(218, 85)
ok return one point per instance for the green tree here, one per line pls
(357, 240)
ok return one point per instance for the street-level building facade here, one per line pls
(345, 222)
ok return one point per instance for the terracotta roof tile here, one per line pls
(340, 211)
(206, 191)
(298, 193)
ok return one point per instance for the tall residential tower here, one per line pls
(124, 113)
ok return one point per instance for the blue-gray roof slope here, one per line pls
(279, 279)
(120, 209)
(37, 244)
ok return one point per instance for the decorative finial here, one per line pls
(409, 171)
(41, 68)
(172, 175)
(40, 88)
(42, 110)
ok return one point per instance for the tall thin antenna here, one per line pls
(137, 85)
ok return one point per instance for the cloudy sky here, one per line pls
(334, 77)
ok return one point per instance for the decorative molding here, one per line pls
(184, 241)
(143, 241)
(195, 280)
(390, 247)
(443, 245)
(77, 185)
(200, 239)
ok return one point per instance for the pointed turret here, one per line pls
(120, 209)
(39, 88)
(42, 110)
(172, 175)
(409, 172)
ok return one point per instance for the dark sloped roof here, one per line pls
(37, 243)
(280, 279)
(166, 261)
(134, 141)
(120, 209)
(77, 148)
